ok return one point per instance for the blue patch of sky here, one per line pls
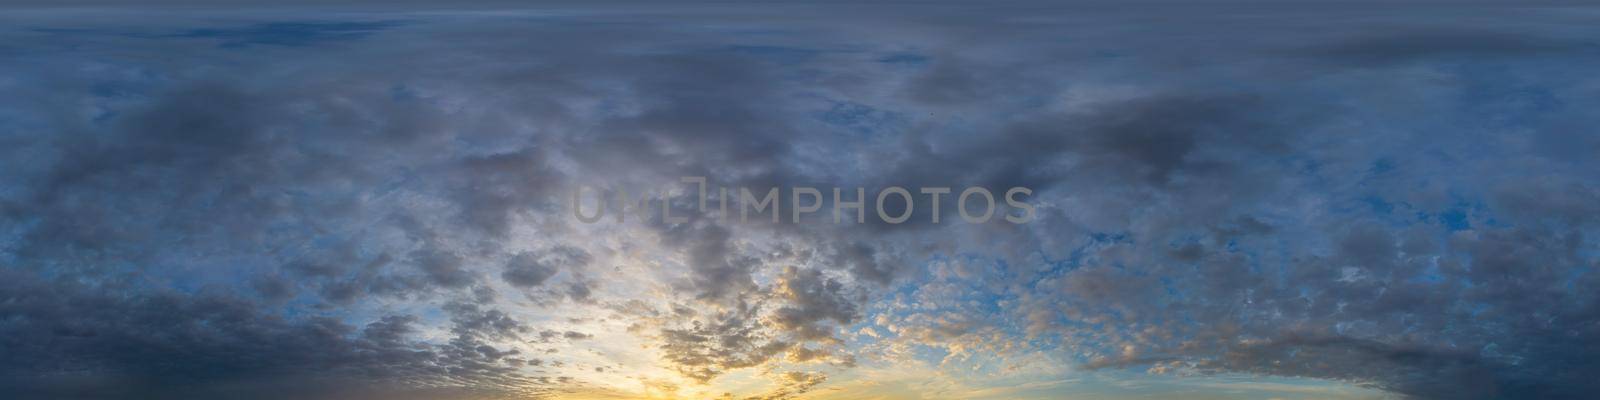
(1074, 260)
(1455, 219)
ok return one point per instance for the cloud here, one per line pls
(286, 33)
(1395, 45)
(532, 269)
(105, 341)
(338, 205)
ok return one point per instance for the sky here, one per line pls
(1230, 200)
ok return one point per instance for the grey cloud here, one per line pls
(792, 384)
(809, 299)
(525, 271)
(548, 335)
(442, 268)
(532, 269)
(1396, 45)
(115, 343)
(798, 311)
(286, 33)
(728, 340)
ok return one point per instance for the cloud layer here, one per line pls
(375, 204)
